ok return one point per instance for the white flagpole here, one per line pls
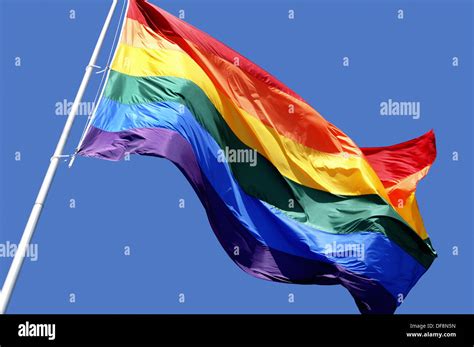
(17, 262)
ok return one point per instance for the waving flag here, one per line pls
(290, 197)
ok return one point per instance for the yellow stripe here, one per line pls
(410, 212)
(402, 196)
(337, 174)
(329, 172)
(273, 109)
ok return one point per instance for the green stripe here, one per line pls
(319, 209)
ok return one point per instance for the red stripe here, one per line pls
(168, 26)
(396, 162)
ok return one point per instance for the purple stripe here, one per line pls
(254, 258)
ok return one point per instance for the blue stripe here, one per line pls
(383, 260)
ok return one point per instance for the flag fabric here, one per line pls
(290, 197)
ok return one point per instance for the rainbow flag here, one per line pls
(290, 197)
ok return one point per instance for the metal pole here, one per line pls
(48, 178)
(104, 82)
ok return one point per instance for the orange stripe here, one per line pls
(289, 116)
(174, 29)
